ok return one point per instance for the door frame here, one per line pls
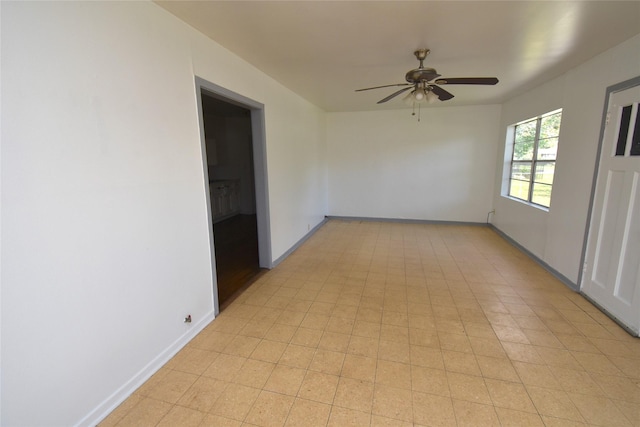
(618, 87)
(259, 148)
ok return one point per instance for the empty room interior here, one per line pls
(320, 213)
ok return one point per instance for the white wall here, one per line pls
(386, 164)
(557, 236)
(104, 229)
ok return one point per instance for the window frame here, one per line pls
(533, 162)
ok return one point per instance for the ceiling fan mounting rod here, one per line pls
(421, 54)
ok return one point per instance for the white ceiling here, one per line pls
(324, 50)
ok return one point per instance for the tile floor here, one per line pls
(389, 324)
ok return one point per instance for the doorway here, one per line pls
(232, 136)
(611, 276)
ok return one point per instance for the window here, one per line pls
(535, 144)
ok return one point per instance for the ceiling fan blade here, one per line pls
(468, 81)
(442, 94)
(378, 87)
(394, 94)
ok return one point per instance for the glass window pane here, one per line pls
(521, 171)
(523, 150)
(526, 131)
(550, 125)
(519, 189)
(541, 194)
(547, 149)
(544, 172)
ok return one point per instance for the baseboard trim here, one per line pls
(555, 273)
(120, 395)
(406, 220)
(298, 243)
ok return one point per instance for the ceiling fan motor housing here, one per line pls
(421, 75)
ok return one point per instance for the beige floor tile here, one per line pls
(599, 410)
(427, 357)
(307, 413)
(363, 328)
(618, 387)
(182, 416)
(421, 320)
(429, 380)
(396, 318)
(256, 329)
(241, 345)
(225, 367)
(394, 351)
(576, 381)
(146, 412)
(307, 337)
(315, 321)
(328, 362)
(554, 403)
(597, 363)
(543, 338)
(322, 307)
(270, 409)
(522, 352)
(630, 410)
(490, 347)
(235, 402)
(192, 360)
(380, 421)
(392, 403)
(334, 341)
(509, 417)
(268, 351)
(343, 417)
(537, 375)
(280, 333)
(464, 363)
(340, 325)
(202, 394)
(432, 410)
(297, 356)
(285, 380)
(509, 395)
(454, 342)
(397, 334)
(318, 387)
(362, 346)
(468, 387)
(172, 386)
(211, 420)
(290, 318)
(359, 367)
(474, 414)
(354, 394)
(393, 374)
(254, 373)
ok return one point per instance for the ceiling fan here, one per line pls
(425, 88)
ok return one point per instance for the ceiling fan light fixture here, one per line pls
(432, 97)
(419, 95)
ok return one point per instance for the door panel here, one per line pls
(612, 263)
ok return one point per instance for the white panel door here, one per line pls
(612, 264)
